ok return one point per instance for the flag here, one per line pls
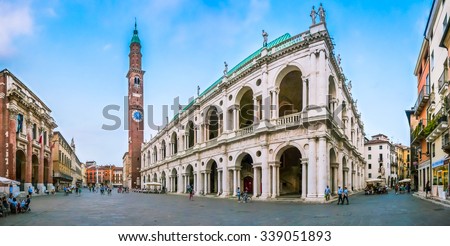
(40, 138)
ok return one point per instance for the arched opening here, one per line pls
(332, 98)
(191, 131)
(212, 177)
(163, 149)
(174, 184)
(247, 181)
(46, 169)
(291, 93)
(155, 154)
(174, 141)
(149, 158)
(21, 161)
(212, 117)
(163, 181)
(290, 171)
(246, 107)
(334, 165)
(155, 177)
(344, 178)
(190, 175)
(35, 170)
(144, 181)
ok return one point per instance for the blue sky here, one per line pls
(74, 55)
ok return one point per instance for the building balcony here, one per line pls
(422, 99)
(437, 127)
(245, 131)
(443, 82)
(446, 143)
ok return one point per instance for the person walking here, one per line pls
(340, 191)
(30, 190)
(238, 193)
(10, 189)
(345, 195)
(327, 193)
(396, 189)
(427, 189)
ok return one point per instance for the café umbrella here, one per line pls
(4, 180)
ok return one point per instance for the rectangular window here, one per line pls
(370, 166)
(370, 175)
(369, 157)
(444, 23)
(432, 60)
(381, 147)
(370, 148)
(19, 123)
(433, 150)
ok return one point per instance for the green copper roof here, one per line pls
(135, 38)
(237, 67)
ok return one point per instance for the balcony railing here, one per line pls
(436, 127)
(289, 119)
(245, 131)
(443, 82)
(422, 99)
(446, 143)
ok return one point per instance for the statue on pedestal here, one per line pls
(313, 15)
(225, 70)
(265, 36)
(321, 13)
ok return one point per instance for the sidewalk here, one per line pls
(433, 199)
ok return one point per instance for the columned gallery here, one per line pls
(281, 123)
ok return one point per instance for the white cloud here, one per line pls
(107, 47)
(50, 12)
(15, 21)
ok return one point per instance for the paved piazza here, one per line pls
(176, 210)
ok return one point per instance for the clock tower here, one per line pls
(135, 78)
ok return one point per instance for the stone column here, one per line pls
(255, 111)
(255, 180)
(195, 182)
(304, 92)
(322, 79)
(199, 182)
(345, 183)
(225, 179)
(219, 181)
(40, 183)
(352, 184)
(334, 170)
(11, 142)
(312, 169)
(322, 165)
(180, 183)
(29, 164)
(236, 117)
(304, 177)
(312, 80)
(274, 181)
(265, 175)
(234, 181)
(238, 171)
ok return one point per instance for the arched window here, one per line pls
(137, 82)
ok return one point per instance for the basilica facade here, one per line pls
(280, 123)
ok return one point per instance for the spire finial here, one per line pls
(135, 23)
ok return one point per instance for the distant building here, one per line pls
(126, 171)
(66, 165)
(26, 127)
(403, 161)
(381, 157)
(117, 179)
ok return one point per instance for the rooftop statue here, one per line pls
(321, 13)
(265, 35)
(225, 70)
(313, 15)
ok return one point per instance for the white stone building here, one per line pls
(230, 137)
(381, 159)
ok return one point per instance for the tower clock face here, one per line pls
(137, 115)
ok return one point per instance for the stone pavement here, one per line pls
(134, 209)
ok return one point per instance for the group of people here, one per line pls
(342, 194)
(245, 197)
(14, 205)
(402, 188)
(68, 190)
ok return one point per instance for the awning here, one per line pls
(439, 162)
(4, 180)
